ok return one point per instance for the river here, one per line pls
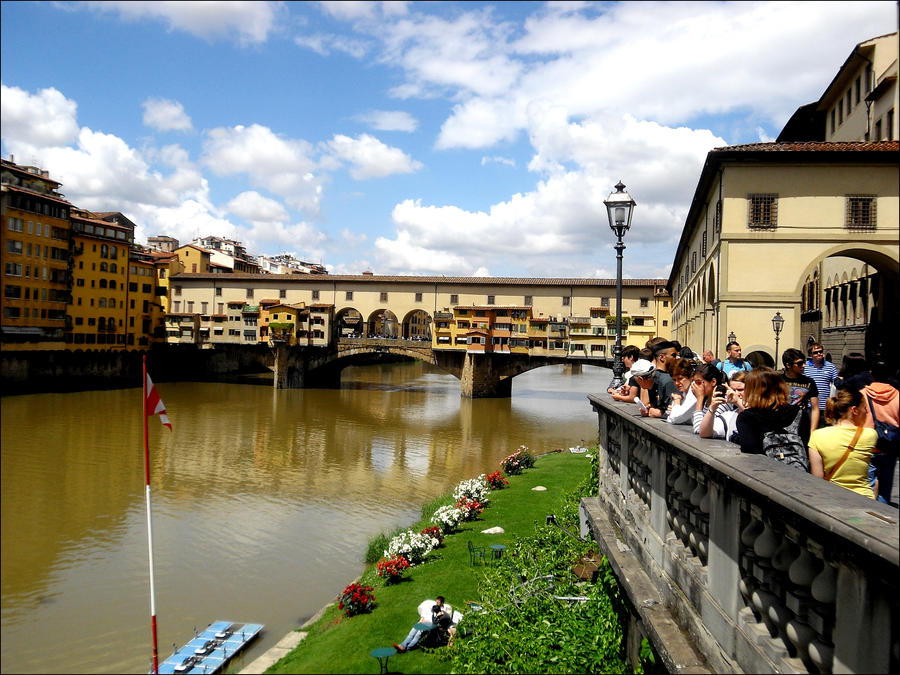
(263, 500)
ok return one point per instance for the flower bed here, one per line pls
(447, 518)
(470, 508)
(392, 569)
(475, 489)
(411, 545)
(517, 462)
(435, 533)
(356, 599)
(497, 481)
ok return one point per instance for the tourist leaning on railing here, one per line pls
(841, 453)
(711, 411)
(684, 401)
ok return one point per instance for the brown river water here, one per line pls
(263, 500)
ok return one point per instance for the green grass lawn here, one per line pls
(338, 644)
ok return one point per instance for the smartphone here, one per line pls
(721, 389)
(640, 403)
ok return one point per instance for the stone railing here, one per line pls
(763, 567)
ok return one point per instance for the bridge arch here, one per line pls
(383, 323)
(416, 325)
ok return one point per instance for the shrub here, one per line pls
(497, 481)
(356, 599)
(447, 518)
(411, 545)
(435, 533)
(474, 489)
(470, 508)
(517, 462)
(376, 547)
(392, 569)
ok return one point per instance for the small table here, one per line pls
(497, 551)
(383, 654)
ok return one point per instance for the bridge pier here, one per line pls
(290, 368)
(481, 378)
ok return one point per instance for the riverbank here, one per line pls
(336, 643)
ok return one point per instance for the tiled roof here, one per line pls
(378, 279)
(814, 146)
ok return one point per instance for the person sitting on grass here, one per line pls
(441, 618)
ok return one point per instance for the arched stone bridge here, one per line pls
(481, 375)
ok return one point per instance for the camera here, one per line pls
(721, 389)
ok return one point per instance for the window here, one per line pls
(665, 322)
(454, 299)
(176, 306)
(645, 302)
(218, 292)
(877, 131)
(249, 293)
(849, 103)
(315, 295)
(528, 301)
(348, 295)
(604, 302)
(176, 290)
(565, 301)
(12, 291)
(840, 111)
(703, 246)
(383, 297)
(665, 303)
(490, 299)
(162, 274)
(14, 225)
(693, 261)
(13, 246)
(282, 293)
(763, 210)
(13, 269)
(860, 212)
(190, 306)
(203, 306)
(858, 88)
(868, 78)
(11, 312)
(146, 288)
(418, 297)
(890, 124)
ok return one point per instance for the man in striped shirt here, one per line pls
(824, 373)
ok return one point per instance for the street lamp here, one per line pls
(732, 337)
(777, 325)
(619, 207)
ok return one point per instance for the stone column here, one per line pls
(481, 380)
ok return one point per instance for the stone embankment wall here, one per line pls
(29, 372)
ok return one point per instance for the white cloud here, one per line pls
(305, 239)
(390, 120)
(324, 43)
(165, 115)
(252, 206)
(353, 239)
(370, 158)
(282, 166)
(354, 10)
(508, 161)
(248, 22)
(402, 255)
(43, 119)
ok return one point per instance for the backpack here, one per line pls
(888, 434)
(786, 445)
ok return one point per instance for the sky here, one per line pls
(437, 138)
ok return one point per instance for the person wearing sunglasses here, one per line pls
(802, 390)
(824, 373)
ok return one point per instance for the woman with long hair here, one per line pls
(711, 411)
(841, 453)
(767, 409)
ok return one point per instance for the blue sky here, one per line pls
(410, 138)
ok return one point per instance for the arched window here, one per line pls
(101, 302)
(103, 283)
(104, 251)
(104, 267)
(112, 282)
(101, 323)
(110, 323)
(112, 302)
(113, 267)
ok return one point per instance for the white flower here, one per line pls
(447, 517)
(411, 545)
(474, 488)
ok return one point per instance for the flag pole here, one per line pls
(149, 524)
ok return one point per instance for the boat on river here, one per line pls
(211, 649)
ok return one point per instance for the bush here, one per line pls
(392, 569)
(517, 462)
(475, 489)
(378, 544)
(469, 508)
(435, 533)
(497, 481)
(412, 546)
(447, 518)
(356, 599)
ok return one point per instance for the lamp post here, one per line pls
(732, 337)
(777, 325)
(619, 207)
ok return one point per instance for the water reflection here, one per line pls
(263, 500)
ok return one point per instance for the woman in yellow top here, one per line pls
(828, 446)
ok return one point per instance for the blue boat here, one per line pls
(210, 650)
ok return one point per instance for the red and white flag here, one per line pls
(155, 406)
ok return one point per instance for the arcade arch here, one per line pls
(349, 323)
(383, 323)
(416, 325)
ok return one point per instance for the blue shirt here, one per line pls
(823, 376)
(729, 368)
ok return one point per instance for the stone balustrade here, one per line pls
(763, 567)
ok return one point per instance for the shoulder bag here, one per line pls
(846, 454)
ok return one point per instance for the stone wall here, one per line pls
(763, 567)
